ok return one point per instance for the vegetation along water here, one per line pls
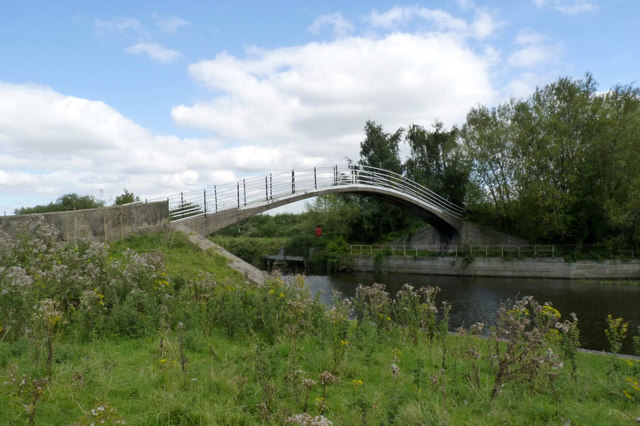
(152, 330)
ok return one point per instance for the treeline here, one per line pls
(73, 201)
(561, 166)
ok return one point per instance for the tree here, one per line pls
(379, 149)
(66, 202)
(125, 198)
(563, 164)
(437, 161)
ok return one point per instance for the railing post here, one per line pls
(238, 188)
(270, 186)
(215, 195)
(205, 203)
(315, 180)
(293, 181)
(244, 190)
(181, 204)
(266, 189)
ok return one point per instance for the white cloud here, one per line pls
(569, 7)
(312, 101)
(51, 144)
(441, 21)
(340, 27)
(534, 50)
(170, 24)
(154, 51)
(122, 26)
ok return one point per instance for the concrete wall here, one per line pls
(107, 223)
(496, 267)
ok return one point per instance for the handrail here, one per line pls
(261, 190)
(487, 250)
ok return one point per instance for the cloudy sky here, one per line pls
(163, 96)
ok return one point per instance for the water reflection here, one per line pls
(478, 298)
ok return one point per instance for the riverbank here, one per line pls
(154, 330)
(554, 267)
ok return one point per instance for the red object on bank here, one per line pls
(318, 231)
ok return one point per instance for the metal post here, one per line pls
(266, 189)
(244, 189)
(181, 203)
(315, 179)
(215, 195)
(205, 203)
(293, 182)
(238, 190)
(270, 186)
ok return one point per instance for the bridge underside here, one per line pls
(450, 229)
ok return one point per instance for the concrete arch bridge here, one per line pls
(216, 207)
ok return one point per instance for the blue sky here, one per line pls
(163, 96)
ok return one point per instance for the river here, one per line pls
(477, 298)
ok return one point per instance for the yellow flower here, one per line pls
(627, 394)
(281, 294)
(344, 342)
(272, 291)
(163, 361)
(357, 382)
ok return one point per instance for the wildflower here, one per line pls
(281, 294)
(326, 377)
(163, 361)
(394, 370)
(344, 342)
(627, 394)
(357, 382)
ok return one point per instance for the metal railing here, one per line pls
(257, 191)
(487, 250)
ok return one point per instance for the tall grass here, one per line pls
(153, 331)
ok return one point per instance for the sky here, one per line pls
(160, 97)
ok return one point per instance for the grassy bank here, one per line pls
(246, 381)
(153, 331)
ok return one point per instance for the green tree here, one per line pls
(437, 161)
(561, 165)
(379, 149)
(66, 202)
(125, 198)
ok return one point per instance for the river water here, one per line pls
(477, 298)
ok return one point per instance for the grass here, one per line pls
(221, 385)
(240, 372)
(251, 249)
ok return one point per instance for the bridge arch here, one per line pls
(214, 208)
